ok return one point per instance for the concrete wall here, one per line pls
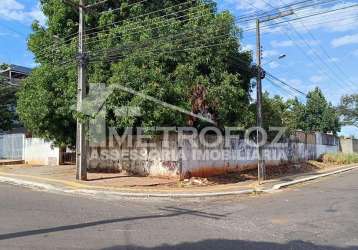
(40, 152)
(12, 146)
(158, 160)
(348, 146)
(240, 156)
(190, 157)
(355, 145)
(31, 150)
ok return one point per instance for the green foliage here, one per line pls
(294, 115)
(320, 116)
(273, 111)
(168, 55)
(348, 110)
(7, 107)
(44, 104)
(8, 117)
(317, 115)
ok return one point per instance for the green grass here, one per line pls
(340, 158)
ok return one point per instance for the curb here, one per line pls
(113, 194)
(307, 179)
(117, 195)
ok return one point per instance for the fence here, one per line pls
(30, 150)
(179, 157)
(12, 146)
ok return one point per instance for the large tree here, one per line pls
(273, 109)
(320, 116)
(8, 117)
(294, 115)
(316, 115)
(348, 109)
(182, 53)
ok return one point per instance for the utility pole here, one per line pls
(81, 141)
(81, 130)
(260, 160)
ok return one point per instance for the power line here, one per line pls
(287, 7)
(148, 28)
(144, 15)
(195, 17)
(308, 16)
(286, 84)
(308, 45)
(176, 50)
(190, 8)
(73, 36)
(167, 38)
(290, 92)
(322, 48)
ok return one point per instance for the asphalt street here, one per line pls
(317, 215)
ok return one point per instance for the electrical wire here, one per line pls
(307, 44)
(269, 75)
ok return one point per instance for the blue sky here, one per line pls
(320, 51)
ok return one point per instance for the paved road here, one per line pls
(320, 215)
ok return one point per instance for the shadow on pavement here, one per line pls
(172, 212)
(236, 244)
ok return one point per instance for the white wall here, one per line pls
(273, 154)
(40, 152)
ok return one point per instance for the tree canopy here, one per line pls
(182, 53)
(316, 115)
(8, 116)
(320, 115)
(348, 109)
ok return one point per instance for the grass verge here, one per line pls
(340, 158)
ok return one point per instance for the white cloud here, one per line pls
(333, 59)
(291, 43)
(277, 44)
(248, 47)
(274, 65)
(15, 11)
(317, 78)
(344, 40)
(270, 53)
(11, 34)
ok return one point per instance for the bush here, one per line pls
(340, 158)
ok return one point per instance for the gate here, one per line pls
(12, 146)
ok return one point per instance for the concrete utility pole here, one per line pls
(81, 142)
(260, 160)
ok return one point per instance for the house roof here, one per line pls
(18, 69)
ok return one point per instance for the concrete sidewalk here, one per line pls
(61, 179)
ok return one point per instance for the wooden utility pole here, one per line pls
(81, 142)
(260, 161)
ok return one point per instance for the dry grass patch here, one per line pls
(340, 158)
